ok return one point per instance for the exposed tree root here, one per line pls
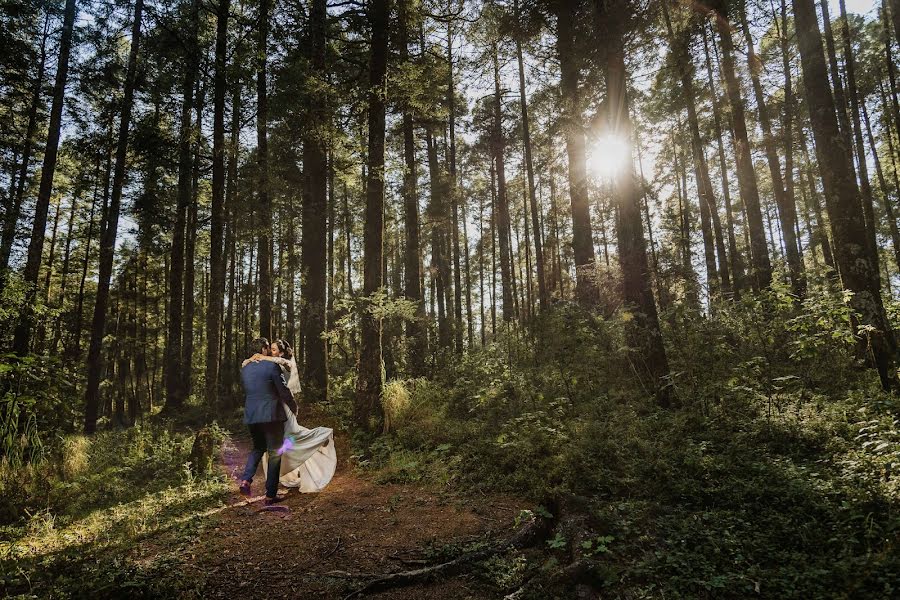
(577, 572)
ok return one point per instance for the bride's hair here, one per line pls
(285, 348)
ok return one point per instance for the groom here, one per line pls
(265, 396)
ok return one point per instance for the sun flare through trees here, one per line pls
(626, 260)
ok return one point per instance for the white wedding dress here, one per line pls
(308, 457)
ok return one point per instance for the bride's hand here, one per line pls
(258, 357)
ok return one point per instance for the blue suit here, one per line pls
(266, 394)
(265, 390)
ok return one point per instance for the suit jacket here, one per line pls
(265, 393)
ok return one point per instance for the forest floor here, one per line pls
(314, 543)
(130, 527)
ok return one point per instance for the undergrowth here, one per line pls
(776, 478)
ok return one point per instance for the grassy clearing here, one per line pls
(106, 516)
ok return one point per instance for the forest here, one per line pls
(598, 298)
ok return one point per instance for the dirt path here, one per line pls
(353, 526)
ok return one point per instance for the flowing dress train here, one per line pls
(308, 457)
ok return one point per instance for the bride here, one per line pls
(308, 458)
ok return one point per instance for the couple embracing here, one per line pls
(297, 457)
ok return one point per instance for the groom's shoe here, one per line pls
(270, 501)
(244, 488)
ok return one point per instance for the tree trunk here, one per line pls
(367, 407)
(348, 228)
(529, 287)
(108, 240)
(582, 239)
(470, 322)
(14, 206)
(895, 15)
(481, 242)
(762, 266)
(415, 328)
(858, 272)
(822, 230)
(861, 162)
(735, 259)
(644, 328)
(235, 277)
(264, 202)
(454, 197)
(684, 213)
(837, 84)
(493, 248)
(438, 217)
(885, 191)
(51, 255)
(75, 350)
(22, 336)
(529, 168)
(787, 122)
(889, 62)
(502, 203)
(314, 254)
(332, 212)
(67, 256)
(787, 211)
(707, 199)
(175, 395)
(190, 264)
(217, 219)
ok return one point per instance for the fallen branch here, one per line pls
(522, 538)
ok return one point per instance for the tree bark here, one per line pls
(529, 168)
(264, 202)
(175, 388)
(822, 229)
(438, 216)
(217, 249)
(51, 255)
(470, 321)
(314, 256)
(582, 238)
(235, 277)
(367, 408)
(454, 197)
(108, 240)
(895, 15)
(861, 162)
(787, 122)
(493, 170)
(837, 84)
(191, 295)
(684, 215)
(415, 328)
(885, 191)
(644, 327)
(502, 204)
